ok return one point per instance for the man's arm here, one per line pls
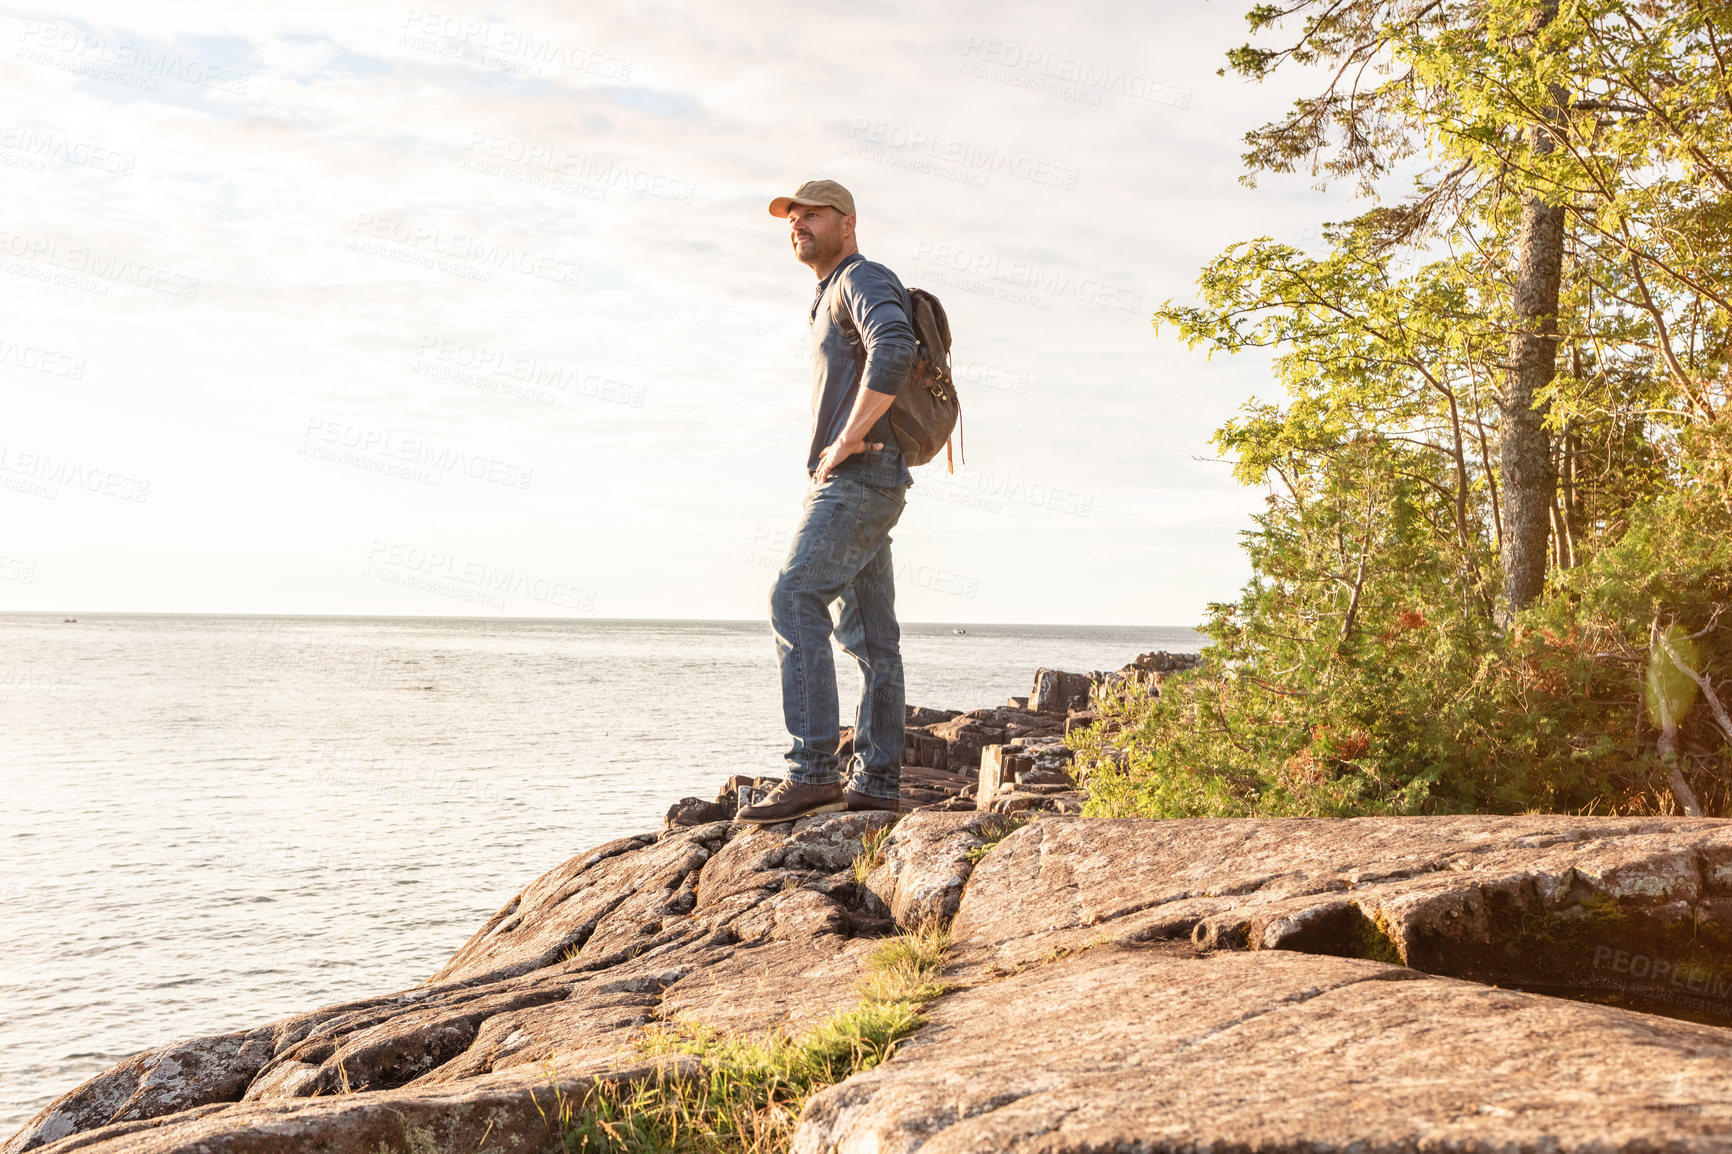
(883, 326)
(869, 405)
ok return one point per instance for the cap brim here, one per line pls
(780, 206)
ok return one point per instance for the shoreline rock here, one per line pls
(1395, 984)
(1007, 759)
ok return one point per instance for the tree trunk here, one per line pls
(1524, 450)
(1665, 707)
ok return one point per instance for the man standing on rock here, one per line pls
(863, 348)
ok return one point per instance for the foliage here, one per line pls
(745, 1095)
(1365, 668)
(1428, 711)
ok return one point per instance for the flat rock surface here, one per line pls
(1450, 895)
(1127, 1049)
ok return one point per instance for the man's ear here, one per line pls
(848, 227)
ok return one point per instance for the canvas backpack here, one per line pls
(926, 410)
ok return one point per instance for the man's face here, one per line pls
(818, 233)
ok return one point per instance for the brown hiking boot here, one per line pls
(865, 801)
(790, 800)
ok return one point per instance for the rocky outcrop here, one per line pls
(924, 864)
(1268, 984)
(1463, 984)
(1138, 985)
(1540, 902)
(1006, 760)
(1153, 1049)
(172, 1079)
(742, 929)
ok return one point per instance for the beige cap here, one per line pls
(816, 192)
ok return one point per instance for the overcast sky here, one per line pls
(375, 308)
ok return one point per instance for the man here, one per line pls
(863, 349)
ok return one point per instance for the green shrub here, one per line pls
(1427, 709)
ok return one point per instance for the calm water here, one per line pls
(214, 821)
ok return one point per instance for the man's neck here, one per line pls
(824, 270)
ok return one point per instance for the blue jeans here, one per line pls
(841, 553)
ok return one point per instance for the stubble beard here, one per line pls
(821, 251)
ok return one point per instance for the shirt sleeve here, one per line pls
(872, 299)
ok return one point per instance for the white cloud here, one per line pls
(537, 240)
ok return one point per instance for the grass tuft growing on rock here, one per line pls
(745, 1095)
(871, 854)
(905, 970)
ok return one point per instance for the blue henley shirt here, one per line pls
(878, 353)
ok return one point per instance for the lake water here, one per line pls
(211, 822)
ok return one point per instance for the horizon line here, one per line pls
(952, 622)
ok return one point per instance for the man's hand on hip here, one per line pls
(840, 450)
(869, 405)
